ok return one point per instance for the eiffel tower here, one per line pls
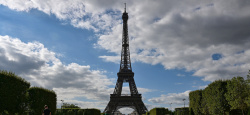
(125, 75)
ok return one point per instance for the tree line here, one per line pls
(222, 97)
(17, 97)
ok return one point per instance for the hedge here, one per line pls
(13, 93)
(182, 111)
(195, 98)
(38, 97)
(158, 111)
(77, 111)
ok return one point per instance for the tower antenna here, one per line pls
(125, 7)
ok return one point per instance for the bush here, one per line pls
(182, 111)
(80, 112)
(70, 112)
(158, 111)
(38, 97)
(92, 112)
(13, 93)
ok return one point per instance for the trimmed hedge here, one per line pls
(38, 97)
(13, 93)
(158, 111)
(195, 98)
(77, 111)
(182, 111)
(92, 112)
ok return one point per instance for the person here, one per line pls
(46, 111)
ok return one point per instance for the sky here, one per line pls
(73, 46)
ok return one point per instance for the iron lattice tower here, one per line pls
(125, 75)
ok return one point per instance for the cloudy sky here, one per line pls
(73, 46)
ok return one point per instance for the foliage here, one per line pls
(181, 111)
(58, 112)
(80, 112)
(248, 90)
(67, 105)
(38, 97)
(158, 111)
(70, 112)
(237, 94)
(77, 111)
(215, 99)
(195, 98)
(204, 105)
(191, 112)
(92, 112)
(222, 97)
(13, 93)
(248, 111)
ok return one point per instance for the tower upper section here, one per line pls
(125, 65)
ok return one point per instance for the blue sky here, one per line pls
(73, 47)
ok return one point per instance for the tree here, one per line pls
(13, 93)
(215, 97)
(238, 93)
(248, 90)
(195, 99)
(67, 105)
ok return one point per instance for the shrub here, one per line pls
(38, 97)
(13, 93)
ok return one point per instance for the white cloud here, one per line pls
(181, 75)
(84, 104)
(89, 14)
(41, 67)
(175, 98)
(200, 87)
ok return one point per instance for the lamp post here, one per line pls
(62, 103)
(184, 102)
(170, 109)
(61, 106)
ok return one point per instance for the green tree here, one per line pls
(67, 105)
(13, 93)
(195, 102)
(238, 93)
(248, 90)
(215, 97)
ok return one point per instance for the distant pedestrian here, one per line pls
(46, 111)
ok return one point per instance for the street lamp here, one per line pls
(170, 109)
(61, 106)
(62, 103)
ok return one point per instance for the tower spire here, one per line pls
(125, 7)
(125, 64)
